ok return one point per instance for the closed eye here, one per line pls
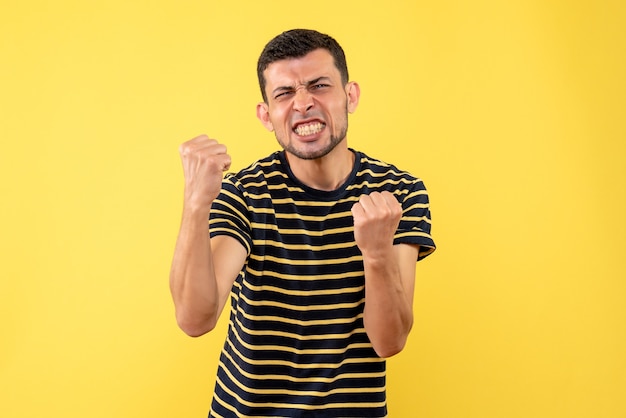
(283, 94)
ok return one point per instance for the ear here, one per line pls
(353, 92)
(263, 113)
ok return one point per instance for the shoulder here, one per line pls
(376, 169)
(258, 172)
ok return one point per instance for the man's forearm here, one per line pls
(192, 278)
(388, 314)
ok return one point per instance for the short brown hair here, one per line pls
(296, 43)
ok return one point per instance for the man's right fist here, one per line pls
(204, 162)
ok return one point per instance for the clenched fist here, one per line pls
(204, 162)
(376, 219)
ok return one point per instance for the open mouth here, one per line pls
(310, 128)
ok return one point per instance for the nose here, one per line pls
(303, 100)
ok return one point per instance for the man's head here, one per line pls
(297, 43)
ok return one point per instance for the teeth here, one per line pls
(309, 129)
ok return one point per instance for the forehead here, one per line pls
(315, 64)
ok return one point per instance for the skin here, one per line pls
(309, 89)
(306, 90)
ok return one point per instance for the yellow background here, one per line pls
(511, 111)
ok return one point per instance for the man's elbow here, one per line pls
(388, 344)
(194, 326)
(386, 350)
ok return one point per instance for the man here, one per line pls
(316, 245)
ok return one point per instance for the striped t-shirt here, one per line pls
(296, 345)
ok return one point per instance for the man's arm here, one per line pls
(199, 286)
(389, 272)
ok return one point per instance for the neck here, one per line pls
(327, 173)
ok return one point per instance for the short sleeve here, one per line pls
(415, 225)
(230, 214)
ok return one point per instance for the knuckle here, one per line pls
(183, 149)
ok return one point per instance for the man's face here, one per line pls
(307, 104)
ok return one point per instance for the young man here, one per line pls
(316, 244)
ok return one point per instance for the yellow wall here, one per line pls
(512, 113)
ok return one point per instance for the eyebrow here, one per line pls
(308, 84)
